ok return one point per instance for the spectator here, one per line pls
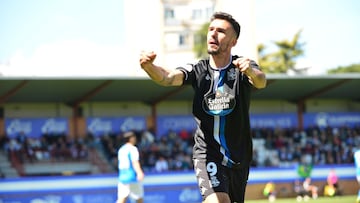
(161, 164)
(147, 138)
(184, 135)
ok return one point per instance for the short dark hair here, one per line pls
(128, 135)
(230, 19)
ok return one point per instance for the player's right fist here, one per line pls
(147, 58)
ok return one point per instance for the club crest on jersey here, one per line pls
(219, 103)
(207, 77)
(231, 75)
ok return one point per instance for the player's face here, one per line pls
(221, 37)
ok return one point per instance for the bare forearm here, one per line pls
(139, 171)
(258, 78)
(159, 74)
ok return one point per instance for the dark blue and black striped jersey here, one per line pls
(221, 109)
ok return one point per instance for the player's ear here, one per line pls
(234, 42)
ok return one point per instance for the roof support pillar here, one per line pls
(78, 123)
(153, 117)
(300, 113)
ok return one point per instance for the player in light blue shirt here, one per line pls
(130, 172)
(357, 165)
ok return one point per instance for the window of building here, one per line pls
(169, 13)
(209, 12)
(196, 14)
(183, 40)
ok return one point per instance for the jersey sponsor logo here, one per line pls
(219, 103)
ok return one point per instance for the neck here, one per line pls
(220, 60)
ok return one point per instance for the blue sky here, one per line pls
(37, 34)
(27, 24)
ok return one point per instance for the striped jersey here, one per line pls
(221, 109)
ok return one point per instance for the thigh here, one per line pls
(136, 190)
(238, 182)
(212, 178)
(217, 197)
(123, 190)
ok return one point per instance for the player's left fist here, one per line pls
(244, 65)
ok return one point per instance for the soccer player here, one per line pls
(269, 191)
(357, 165)
(130, 172)
(222, 84)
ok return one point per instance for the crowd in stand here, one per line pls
(272, 147)
(46, 147)
(158, 154)
(318, 146)
(279, 147)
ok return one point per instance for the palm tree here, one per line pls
(267, 62)
(284, 59)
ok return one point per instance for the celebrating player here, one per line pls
(222, 85)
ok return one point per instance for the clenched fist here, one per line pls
(244, 65)
(147, 58)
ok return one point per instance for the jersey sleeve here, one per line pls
(134, 154)
(188, 71)
(254, 64)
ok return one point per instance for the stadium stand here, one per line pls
(272, 147)
(81, 153)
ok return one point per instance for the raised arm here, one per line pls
(256, 76)
(160, 75)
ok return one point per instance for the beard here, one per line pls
(213, 51)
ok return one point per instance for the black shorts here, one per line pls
(214, 177)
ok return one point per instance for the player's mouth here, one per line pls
(213, 42)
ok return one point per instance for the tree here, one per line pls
(267, 62)
(353, 68)
(200, 47)
(284, 59)
(280, 61)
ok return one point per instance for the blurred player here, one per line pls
(300, 191)
(332, 184)
(130, 172)
(357, 165)
(310, 188)
(269, 191)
